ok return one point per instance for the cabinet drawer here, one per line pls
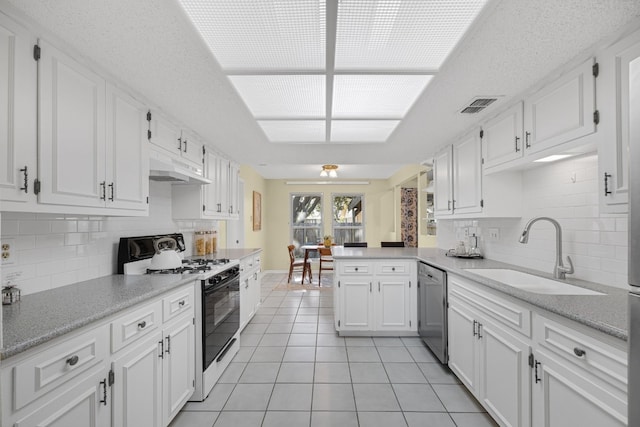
(178, 303)
(507, 313)
(394, 268)
(129, 327)
(356, 268)
(58, 364)
(594, 355)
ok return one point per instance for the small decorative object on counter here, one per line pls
(327, 241)
(10, 294)
(461, 248)
(199, 244)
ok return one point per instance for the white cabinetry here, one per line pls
(77, 381)
(485, 352)
(18, 112)
(620, 99)
(580, 377)
(528, 367)
(171, 144)
(249, 288)
(376, 297)
(91, 151)
(461, 190)
(549, 121)
(218, 200)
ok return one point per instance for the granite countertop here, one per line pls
(46, 315)
(606, 313)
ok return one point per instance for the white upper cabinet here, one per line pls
(72, 131)
(561, 111)
(180, 145)
(467, 175)
(502, 137)
(18, 112)
(620, 81)
(443, 175)
(192, 149)
(127, 156)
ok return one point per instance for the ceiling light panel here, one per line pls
(400, 34)
(301, 131)
(376, 96)
(264, 34)
(361, 131)
(286, 96)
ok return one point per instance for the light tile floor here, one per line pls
(293, 370)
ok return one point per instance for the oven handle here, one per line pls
(213, 288)
(226, 349)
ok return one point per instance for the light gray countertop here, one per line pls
(606, 313)
(46, 315)
(231, 253)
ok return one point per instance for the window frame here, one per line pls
(293, 227)
(335, 226)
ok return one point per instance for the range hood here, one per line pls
(168, 169)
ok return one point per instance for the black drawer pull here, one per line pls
(181, 303)
(142, 324)
(579, 352)
(72, 360)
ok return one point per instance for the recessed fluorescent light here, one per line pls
(553, 158)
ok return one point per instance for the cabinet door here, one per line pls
(234, 196)
(71, 102)
(18, 112)
(210, 191)
(443, 175)
(561, 111)
(165, 135)
(356, 304)
(505, 376)
(127, 158)
(83, 405)
(467, 175)
(222, 191)
(620, 81)
(178, 374)
(566, 397)
(254, 288)
(463, 358)
(502, 137)
(137, 390)
(393, 305)
(192, 151)
(245, 302)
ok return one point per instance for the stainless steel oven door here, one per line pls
(220, 317)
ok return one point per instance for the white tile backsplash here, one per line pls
(568, 192)
(55, 250)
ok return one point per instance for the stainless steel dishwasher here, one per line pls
(432, 309)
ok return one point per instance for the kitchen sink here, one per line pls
(530, 282)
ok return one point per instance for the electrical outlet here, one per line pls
(494, 233)
(7, 255)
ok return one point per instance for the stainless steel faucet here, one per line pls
(559, 271)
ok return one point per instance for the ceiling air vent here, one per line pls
(478, 104)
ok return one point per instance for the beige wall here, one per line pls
(253, 182)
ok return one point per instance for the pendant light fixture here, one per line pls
(329, 171)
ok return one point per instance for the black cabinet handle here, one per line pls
(142, 324)
(111, 187)
(479, 330)
(527, 135)
(168, 349)
(579, 352)
(72, 360)
(104, 392)
(475, 324)
(185, 146)
(606, 184)
(103, 184)
(161, 354)
(517, 140)
(538, 379)
(26, 179)
(179, 144)
(181, 303)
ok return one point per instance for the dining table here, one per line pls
(307, 250)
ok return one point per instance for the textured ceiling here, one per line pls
(150, 46)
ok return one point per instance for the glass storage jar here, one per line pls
(199, 243)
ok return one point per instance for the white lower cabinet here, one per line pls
(376, 297)
(528, 368)
(491, 362)
(250, 284)
(76, 381)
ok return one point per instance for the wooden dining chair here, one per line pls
(298, 264)
(326, 262)
(392, 244)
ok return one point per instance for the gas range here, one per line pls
(195, 266)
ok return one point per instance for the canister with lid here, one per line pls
(199, 243)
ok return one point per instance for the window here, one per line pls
(348, 218)
(306, 219)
